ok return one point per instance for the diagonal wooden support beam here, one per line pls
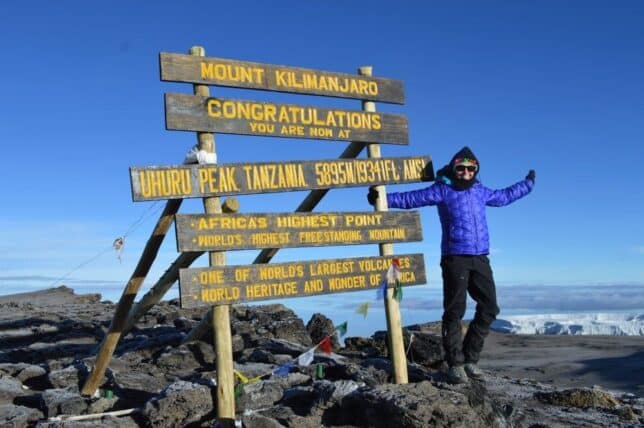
(142, 269)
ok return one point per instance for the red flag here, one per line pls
(325, 345)
(396, 262)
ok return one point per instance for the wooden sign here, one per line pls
(198, 181)
(227, 285)
(245, 117)
(253, 75)
(222, 232)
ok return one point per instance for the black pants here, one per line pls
(461, 275)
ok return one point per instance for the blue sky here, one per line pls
(550, 86)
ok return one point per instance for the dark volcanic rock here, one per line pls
(48, 343)
(10, 388)
(416, 405)
(12, 416)
(62, 401)
(579, 397)
(71, 376)
(180, 404)
(320, 327)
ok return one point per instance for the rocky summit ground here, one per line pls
(48, 343)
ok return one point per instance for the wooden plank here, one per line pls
(196, 181)
(261, 118)
(225, 232)
(251, 283)
(254, 75)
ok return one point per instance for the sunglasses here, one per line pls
(462, 168)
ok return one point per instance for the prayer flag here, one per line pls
(381, 292)
(363, 309)
(325, 345)
(342, 329)
(283, 370)
(306, 358)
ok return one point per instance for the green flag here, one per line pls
(342, 329)
(363, 309)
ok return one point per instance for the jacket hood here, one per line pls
(446, 173)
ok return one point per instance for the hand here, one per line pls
(372, 196)
(531, 175)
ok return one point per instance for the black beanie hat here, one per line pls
(464, 155)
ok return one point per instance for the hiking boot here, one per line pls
(456, 374)
(474, 371)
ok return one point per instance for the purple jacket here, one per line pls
(462, 213)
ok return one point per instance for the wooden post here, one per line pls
(221, 314)
(142, 269)
(169, 277)
(392, 308)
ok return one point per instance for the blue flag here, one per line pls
(283, 370)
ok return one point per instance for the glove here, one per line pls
(372, 196)
(531, 175)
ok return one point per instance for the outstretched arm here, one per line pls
(501, 197)
(431, 195)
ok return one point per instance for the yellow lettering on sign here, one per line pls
(306, 221)
(264, 291)
(330, 236)
(211, 277)
(280, 272)
(344, 283)
(408, 277)
(268, 238)
(413, 169)
(231, 222)
(361, 220)
(274, 176)
(232, 73)
(393, 234)
(331, 268)
(313, 286)
(382, 264)
(323, 82)
(218, 240)
(214, 295)
(265, 114)
(165, 182)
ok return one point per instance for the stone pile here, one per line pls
(48, 343)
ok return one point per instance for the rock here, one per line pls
(12, 416)
(180, 404)
(256, 420)
(579, 397)
(62, 401)
(260, 395)
(320, 327)
(136, 386)
(203, 352)
(102, 405)
(363, 347)
(285, 416)
(179, 361)
(425, 348)
(10, 388)
(32, 375)
(281, 346)
(406, 406)
(71, 376)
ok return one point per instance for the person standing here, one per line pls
(461, 200)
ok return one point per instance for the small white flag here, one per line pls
(306, 358)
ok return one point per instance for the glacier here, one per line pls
(612, 324)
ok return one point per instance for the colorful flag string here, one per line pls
(305, 359)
